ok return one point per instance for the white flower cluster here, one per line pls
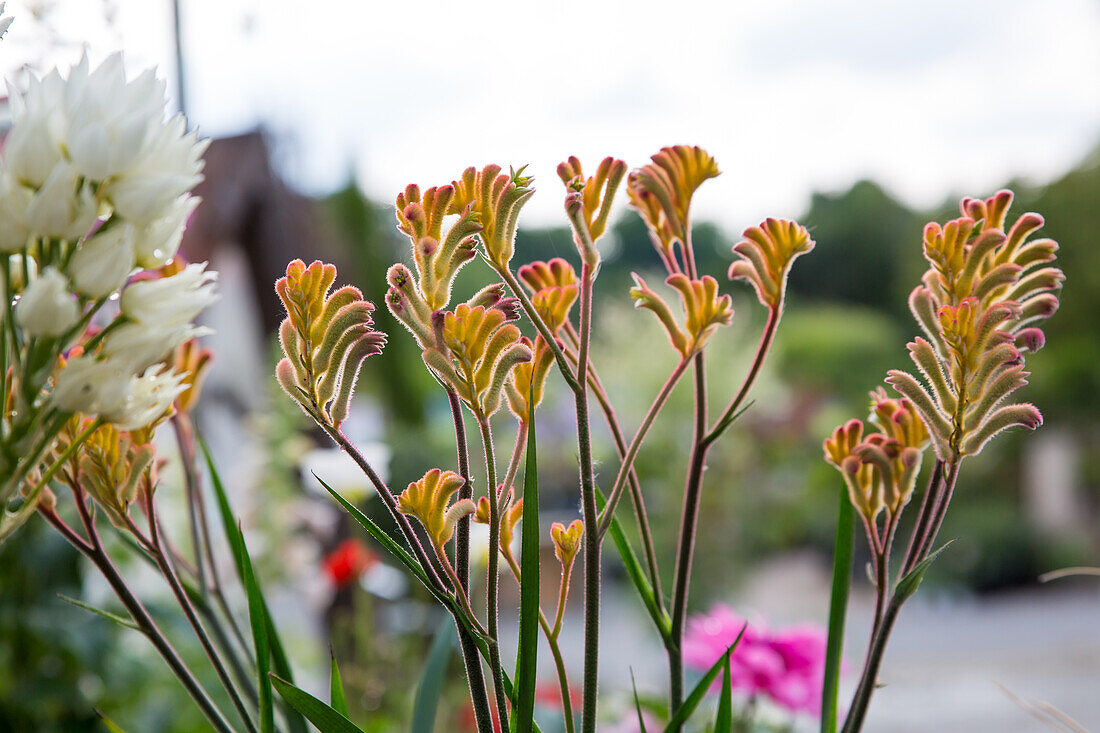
(95, 186)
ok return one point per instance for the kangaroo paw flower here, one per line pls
(429, 500)
(325, 337)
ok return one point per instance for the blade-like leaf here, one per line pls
(636, 574)
(838, 609)
(321, 715)
(526, 655)
(110, 725)
(233, 536)
(120, 620)
(336, 696)
(723, 719)
(908, 585)
(687, 708)
(259, 640)
(379, 534)
(637, 703)
(431, 682)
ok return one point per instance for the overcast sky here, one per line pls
(932, 98)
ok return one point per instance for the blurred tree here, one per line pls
(862, 235)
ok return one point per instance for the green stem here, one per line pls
(492, 581)
(641, 517)
(589, 511)
(479, 693)
(862, 699)
(94, 552)
(632, 452)
(169, 573)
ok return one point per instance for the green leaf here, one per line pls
(637, 703)
(527, 650)
(233, 536)
(838, 608)
(109, 724)
(382, 537)
(259, 640)
(336, 695)
(431, 681)
(321, 715)
(120, 620)
(723, 719)
(637, 575)
(687, 708)
(908, 585)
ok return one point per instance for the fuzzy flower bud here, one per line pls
(567, 541)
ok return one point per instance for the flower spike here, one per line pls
(704, 310)
(662, 190)
(588, 202)
(438, 258)
(494, 200)
(429, 501)
(325, 339)
(979, 301)
(476, 354)
(766, 254)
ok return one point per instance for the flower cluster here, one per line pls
(786, 666)
(429, 500)
(326, 337)
(880, 469)
(94, 196)
(978, 305)
(704, 310)
(662, 191)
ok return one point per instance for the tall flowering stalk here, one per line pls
(477, 352)
(987, 287)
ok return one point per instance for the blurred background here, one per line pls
(863, 120)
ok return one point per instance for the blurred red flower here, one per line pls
(348, 561)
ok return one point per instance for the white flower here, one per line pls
(110, 119)
(169, 166)
(62, 208)
(33, 146)
(151, 395)
(4, 22)
(106, 388)
(92, 386)
(47, 307)
(103, 262)
(157, 242)
(140, 346)
(14, 200)
(170, 301)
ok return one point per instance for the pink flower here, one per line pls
(786, 666)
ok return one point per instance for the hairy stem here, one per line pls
(479, 694)
(641, 517)
(492, 580)
(589, 511)
(632, 452)
(169, 573)
(93, 550)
